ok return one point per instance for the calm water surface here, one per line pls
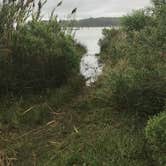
(90, 67)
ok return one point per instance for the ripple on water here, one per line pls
(90, 68)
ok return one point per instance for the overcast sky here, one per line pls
(95, 8)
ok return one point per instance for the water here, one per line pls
(90, 67)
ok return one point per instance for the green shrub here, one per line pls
(36, 55)
(156, 136)
(158, 2)
(134, 76)
(42, 57)
(45, 54)
(137, 90)
(137, 21)
(111, 46)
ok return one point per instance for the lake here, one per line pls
(90, 67)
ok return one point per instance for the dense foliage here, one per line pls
(137, 21)
(156, 136)
(134, 76)
(37, 55)
(43, 56)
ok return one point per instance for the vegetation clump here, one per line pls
(43, 56)
(156, 136)
(39, 55)
(134, 79)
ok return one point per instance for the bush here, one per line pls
(35, 55)
(134, 75)
(137, 90)
(111, 46)
(137, 21)
(33, 110)
(42, 57)
(156, 136)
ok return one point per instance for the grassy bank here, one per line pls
(77, 133)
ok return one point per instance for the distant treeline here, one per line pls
(94, 22)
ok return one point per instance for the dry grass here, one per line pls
(5, 160)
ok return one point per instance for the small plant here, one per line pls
(156, 135)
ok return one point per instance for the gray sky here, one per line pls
(95, 8)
